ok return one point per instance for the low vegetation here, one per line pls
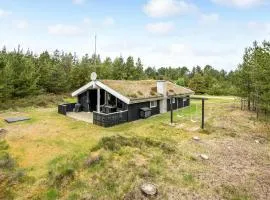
(55, 157)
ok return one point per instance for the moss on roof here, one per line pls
(144, 88)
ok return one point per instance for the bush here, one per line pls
(3, 145)
(5, 160)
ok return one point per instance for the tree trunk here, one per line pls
(249, 103)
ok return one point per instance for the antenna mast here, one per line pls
(95, 49)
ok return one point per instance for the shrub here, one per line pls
(5, 160)
(3, 145)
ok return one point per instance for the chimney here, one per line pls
(162, 87)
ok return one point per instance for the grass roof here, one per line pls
(144, 88)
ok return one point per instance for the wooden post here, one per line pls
(98, 100)
(202, 113)
(171, 110)
(241, 104)
(105, 97)
(88, 101)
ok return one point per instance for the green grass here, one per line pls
(53, 150)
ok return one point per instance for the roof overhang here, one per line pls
(97, 84)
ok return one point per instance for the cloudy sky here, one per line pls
(161, 32)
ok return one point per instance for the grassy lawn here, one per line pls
(62, 158)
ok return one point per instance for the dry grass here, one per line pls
(54, 149)
(144, 88)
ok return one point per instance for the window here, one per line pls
(153, 104)
(173, 100)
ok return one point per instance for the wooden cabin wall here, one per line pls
(134, 110)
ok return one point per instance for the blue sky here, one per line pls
(161, 32)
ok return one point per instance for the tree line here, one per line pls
(253, 77)
(24, 73)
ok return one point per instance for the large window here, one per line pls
(153, 104)
(173, 100)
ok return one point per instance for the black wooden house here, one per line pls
(112, 102)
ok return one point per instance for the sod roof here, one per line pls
(144, 88)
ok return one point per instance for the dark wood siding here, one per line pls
(82, 99)
(134, 110)
(169, 105)
(108, 120)
(178, 103)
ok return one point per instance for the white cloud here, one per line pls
(4, 13)
(209, 18)
(61, 29)
(166, 8)
(108, 21)
(78, 2)
(239, 3)
(160, 27)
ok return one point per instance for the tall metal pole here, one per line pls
(95, 49)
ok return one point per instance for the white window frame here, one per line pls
(153, 106)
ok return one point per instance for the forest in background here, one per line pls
(23, 74)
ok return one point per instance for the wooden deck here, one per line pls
(82, 116)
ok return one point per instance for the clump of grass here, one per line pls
(52, 194)
(133, 95)
(6, 162)
(156, 166)
(3, 145)
(152, 93)
(114, 143)
(63, 171)
(140, 93)
(234, 193)
(154, 89)
(188, 179)
(9, 174)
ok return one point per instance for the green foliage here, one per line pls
(10, 175)
(3, 145)
(62, 170)
(253, 76)
(52, 194)
(24, 74)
